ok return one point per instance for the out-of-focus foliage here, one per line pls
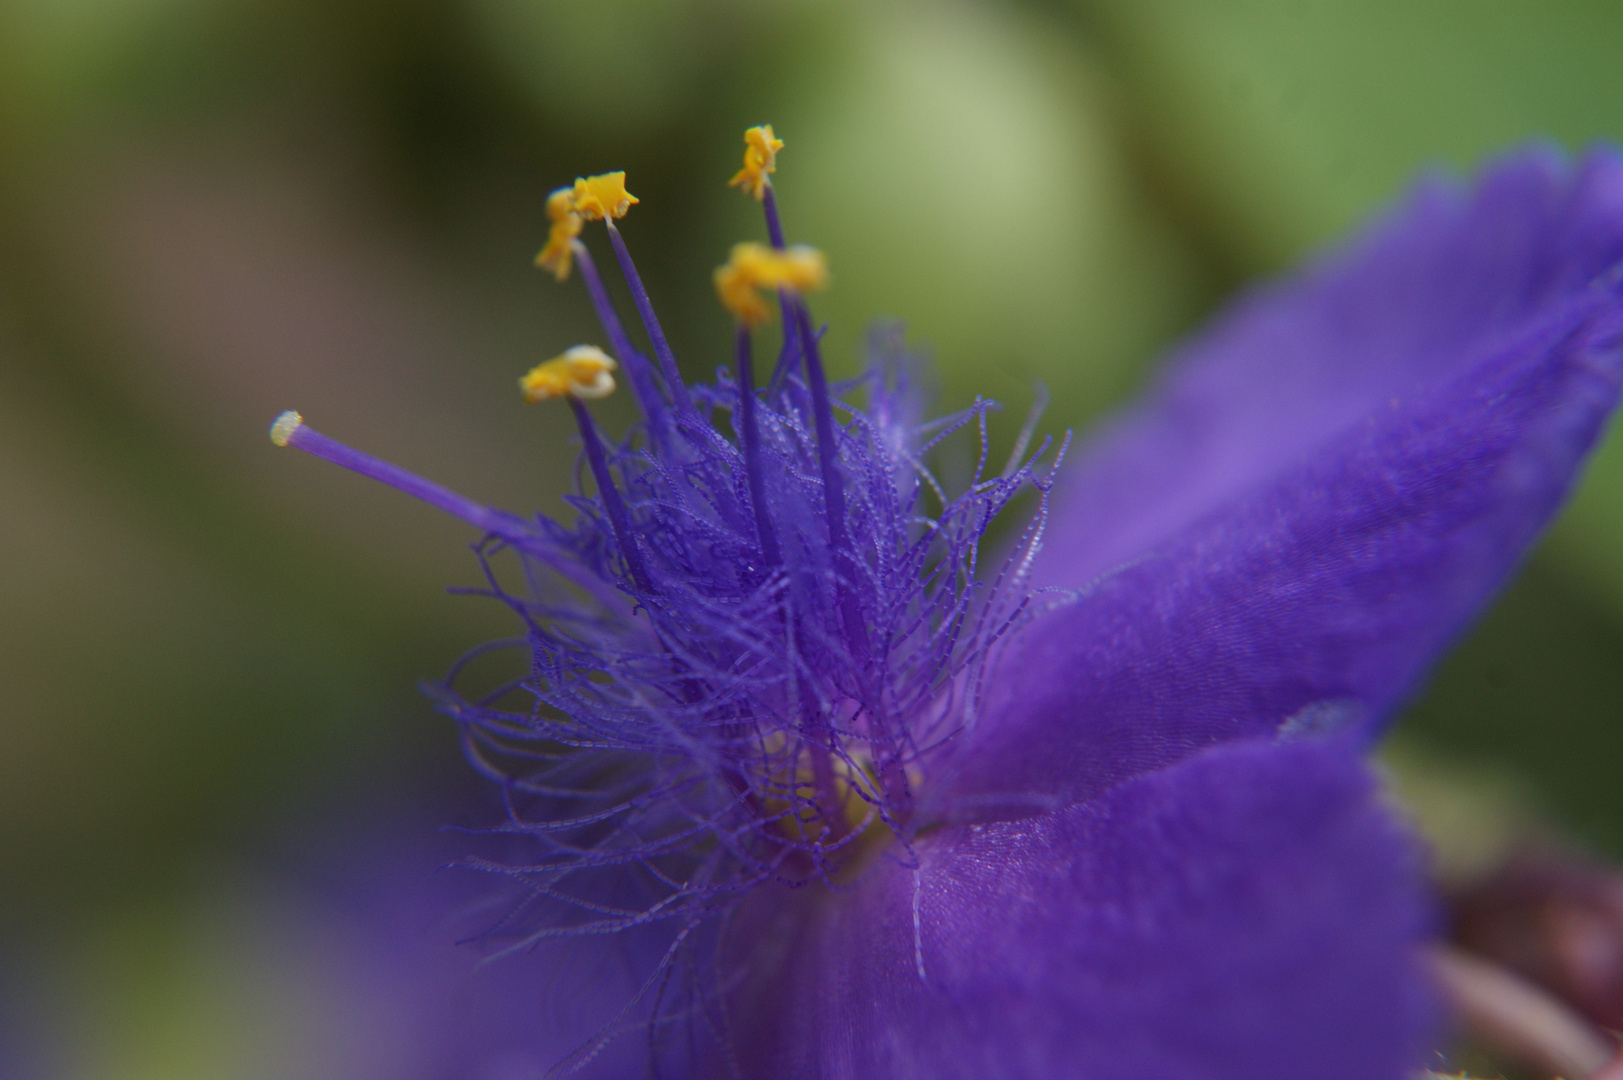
(1277, 126)
(211, 211)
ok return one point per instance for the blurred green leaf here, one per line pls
(1278, 126)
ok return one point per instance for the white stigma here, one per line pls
(283, 427)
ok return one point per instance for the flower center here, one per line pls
(766, 623)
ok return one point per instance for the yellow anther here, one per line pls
(798, 267)
(582, 371)
(738, 295)
(753, 267)
(604, 196)
(559, 254)
(760, 157)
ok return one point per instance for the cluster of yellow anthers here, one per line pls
(760, 157)
(591, 199)
(754, 267)
(583, 371)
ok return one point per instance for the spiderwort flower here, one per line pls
(1098, 810)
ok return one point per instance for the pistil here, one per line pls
(289, 429)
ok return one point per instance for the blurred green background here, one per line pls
(211, 210)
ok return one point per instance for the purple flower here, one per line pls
(862, 800)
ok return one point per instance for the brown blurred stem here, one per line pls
(1554, 916)
(1519, 1019)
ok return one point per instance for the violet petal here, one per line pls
(1452, 275)
(1251, 911)
(1315, 581)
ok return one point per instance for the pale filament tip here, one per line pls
(283, 427)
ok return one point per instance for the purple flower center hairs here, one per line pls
(848, 798)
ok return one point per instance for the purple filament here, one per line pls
(774, 225)
(650, 322)
(787, 355)
(636, 366)
(828, 452)
(749, 436)
(613, 506)
(828, 456)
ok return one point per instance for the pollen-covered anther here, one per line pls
(283, 427)
(604, 196)
(754, 267)
(584, 371)
(558, 255)
(738, 295)
(760, 158)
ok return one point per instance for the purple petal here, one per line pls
(1383, 442)
(1453, 276)
(1249, 912)
(407, 1002)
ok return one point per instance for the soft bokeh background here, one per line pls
(211, 210)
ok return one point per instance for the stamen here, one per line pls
(828, 457)
(638, 372)
(760, 158)
(786, 360)
(612, 504)
(774, 225)
(752, 266)
(566, 225)
(788, 355)
(738, 295)
(583, 371)
(603, 197)
(650, 322)
(750, 436)
(790, 271)
(289, 429)
(801, 267)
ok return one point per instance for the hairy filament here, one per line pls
(650, 322)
